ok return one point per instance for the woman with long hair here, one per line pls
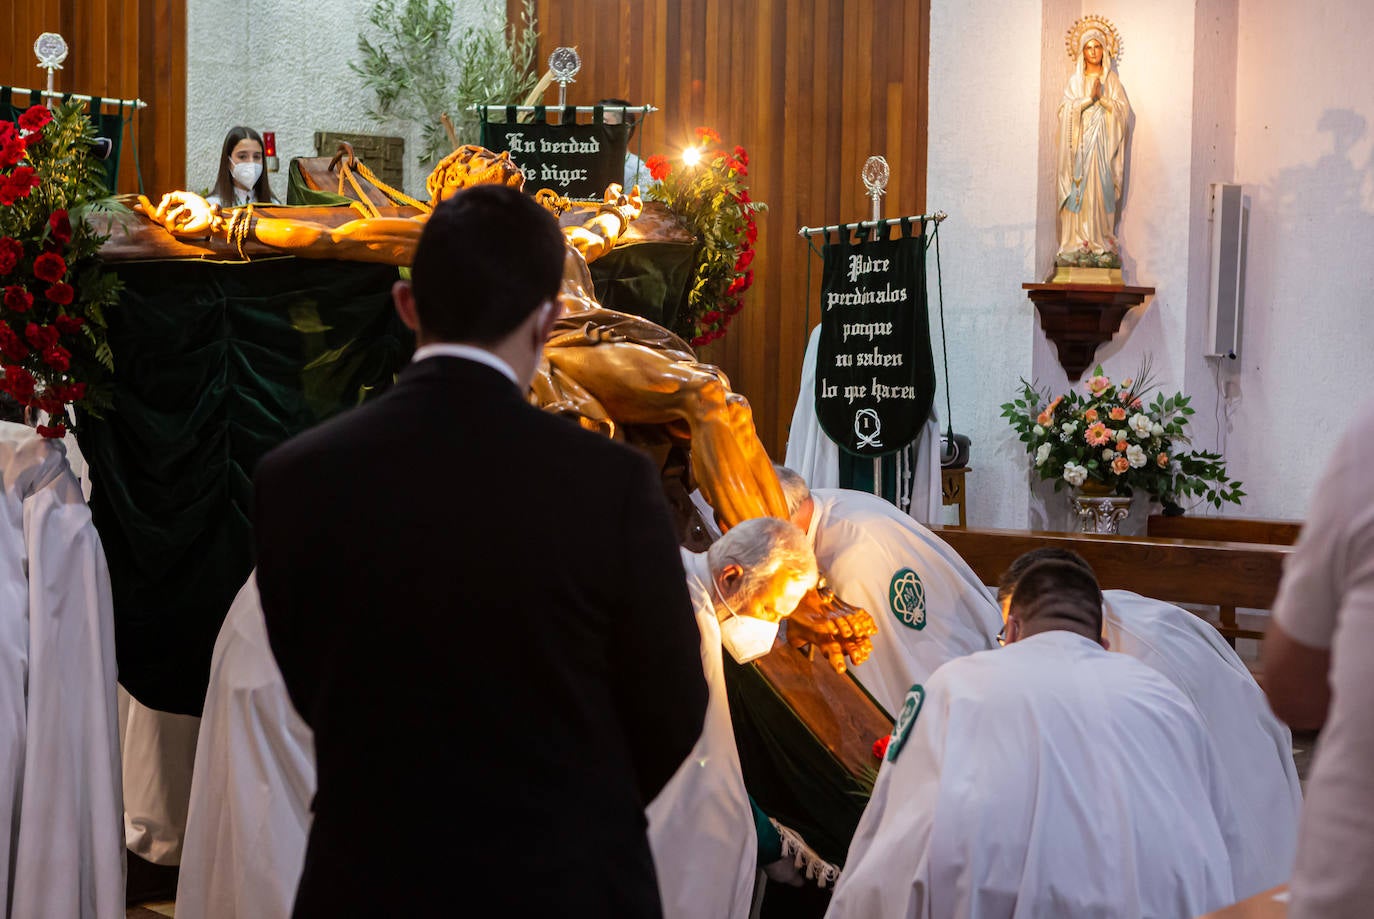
(241, 176)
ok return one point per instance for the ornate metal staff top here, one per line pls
(51, 50)
(875, 175)
(564, 64)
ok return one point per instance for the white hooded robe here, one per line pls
(253, 781)
(61, 839)
(929, 605)
(1048, 778)
(701, 826)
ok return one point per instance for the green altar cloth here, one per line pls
(789, 771)
(216, 363)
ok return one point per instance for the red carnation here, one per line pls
(18, 299)
(36, 118)
(752, 233)
(11, 251)
(11, 149)
(68, 325)
(659, 167)
(21, 181)
(741, 155)
(57, 357)
(708, 135)
(746, 256)
(741, 283)
(880, 745)
(49, 267)
(60, 293)
(10, 345)
(40, 337)
(19, 382)
(52, 430)
(6, 131)
(61, 226)
(70, 392)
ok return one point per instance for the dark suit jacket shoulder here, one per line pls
(480, 610)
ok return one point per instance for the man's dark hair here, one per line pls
(626, 117)
(487, 258)
(1061, 592)
(1007, 585)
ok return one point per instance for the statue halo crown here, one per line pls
(1073, 39)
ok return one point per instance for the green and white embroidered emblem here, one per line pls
(915, 698)
(906, 596)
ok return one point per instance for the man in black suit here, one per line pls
(480, 610)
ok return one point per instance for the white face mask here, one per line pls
(744, 637)
(246, 174)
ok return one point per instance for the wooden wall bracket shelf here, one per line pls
(1080, 317)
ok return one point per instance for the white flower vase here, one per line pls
(1099, 511)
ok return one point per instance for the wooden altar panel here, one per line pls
(811, 88)
(119, 48)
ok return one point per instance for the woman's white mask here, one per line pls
(246, 174)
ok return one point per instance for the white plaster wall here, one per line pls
(981, 169)
(1182, 137)
(1215, 38)
(282, 65)
(1304, 112)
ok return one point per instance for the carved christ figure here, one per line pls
(600, 365)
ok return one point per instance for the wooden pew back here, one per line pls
(1226, 575)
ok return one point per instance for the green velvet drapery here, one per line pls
(216, 363)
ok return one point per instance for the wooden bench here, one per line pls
(1224, 574)
(1225, 529)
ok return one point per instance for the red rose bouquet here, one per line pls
(711, 195)
(53, 293)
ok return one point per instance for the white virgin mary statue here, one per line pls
(1092, 154)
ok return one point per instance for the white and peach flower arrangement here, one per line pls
(1109, 437)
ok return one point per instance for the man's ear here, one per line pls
(731, 574)
(548, 318)
(1106, 645)
(403, 297)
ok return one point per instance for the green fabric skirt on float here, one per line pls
(215, 364)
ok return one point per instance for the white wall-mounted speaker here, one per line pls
(1229, 219)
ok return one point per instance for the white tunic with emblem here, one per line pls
(61, 841)
(1049, 778)
(1254, 748)
(929, 605)
(701, 827)
(254, 778)
(816, 458)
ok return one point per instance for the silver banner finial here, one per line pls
(875, 175)
(564, 64)
(51, 50)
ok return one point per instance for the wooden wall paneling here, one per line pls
(811, 88)
(119, 49)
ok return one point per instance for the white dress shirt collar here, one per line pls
(467, 352)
